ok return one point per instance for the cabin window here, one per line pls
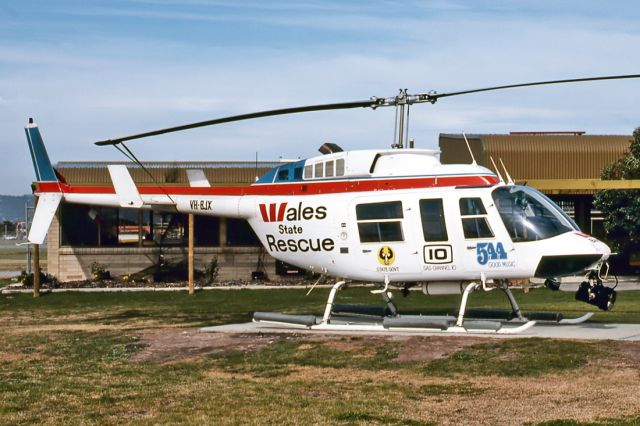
(297, 173)
(434, 227)
(283, 174)
(378, 222)
(318, 170)
(328, 169)
(530, 216)
(308, 172)
(474, 219)
(340, 167)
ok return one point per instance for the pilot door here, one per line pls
(487, 247)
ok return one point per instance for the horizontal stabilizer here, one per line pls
(45, 210)
(126, 190)
(197, 178)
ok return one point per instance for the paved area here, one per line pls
(587, 331)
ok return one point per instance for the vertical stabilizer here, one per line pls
(48, 201)
(41, 163)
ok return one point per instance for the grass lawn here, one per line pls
(14, 258)
(90, 358)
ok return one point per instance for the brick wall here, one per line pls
(74, 263)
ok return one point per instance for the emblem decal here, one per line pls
(386, 256)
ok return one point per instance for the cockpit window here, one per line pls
(530, 216)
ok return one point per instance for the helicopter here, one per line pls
(396, 217)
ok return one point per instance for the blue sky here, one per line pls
(89, 70)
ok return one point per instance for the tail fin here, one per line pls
(48, 202)
(41, 163)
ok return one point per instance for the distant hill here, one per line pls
(12, 206)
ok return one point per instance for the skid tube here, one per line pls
(515, 315)
(391, 323)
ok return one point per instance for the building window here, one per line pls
(170, 229)
(434, 227)
(240, 234)
(129, 227)
(206, 231)
(378, 222)
(474, 219)
(79, 226)
(89, 226)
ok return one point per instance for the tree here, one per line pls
(621, 208)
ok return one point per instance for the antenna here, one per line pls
(509, 180)
(257, 166)
(469, 148)
(496, 168)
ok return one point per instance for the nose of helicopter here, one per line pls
(580, 253)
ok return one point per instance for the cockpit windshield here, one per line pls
(528, 215)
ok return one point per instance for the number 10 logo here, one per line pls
(487, 252)
(438, 254)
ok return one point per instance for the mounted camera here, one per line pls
(595, 293)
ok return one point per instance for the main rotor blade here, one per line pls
(374, 102)
(432, 97)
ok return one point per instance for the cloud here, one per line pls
(161, 68)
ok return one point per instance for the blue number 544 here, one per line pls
(489, 251)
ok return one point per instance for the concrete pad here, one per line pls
(588, 331)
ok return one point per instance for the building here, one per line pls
(565, 166)
(128, 241)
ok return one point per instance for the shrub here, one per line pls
(211, 271)
(99, 272)
(27, 279)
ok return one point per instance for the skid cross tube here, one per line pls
(463, 304)
(512, 300)
(326, 318)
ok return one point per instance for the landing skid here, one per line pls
(356, 326)
(540, 317)
(515, 315)
(387, 319)
(578, 320)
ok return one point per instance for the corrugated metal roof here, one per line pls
(166, 173)
(529, 156)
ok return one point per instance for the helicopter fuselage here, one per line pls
(395, 215)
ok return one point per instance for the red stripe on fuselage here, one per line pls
(306, 188)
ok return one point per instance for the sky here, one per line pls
(89, 70)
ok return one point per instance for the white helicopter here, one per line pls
(395, 217)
